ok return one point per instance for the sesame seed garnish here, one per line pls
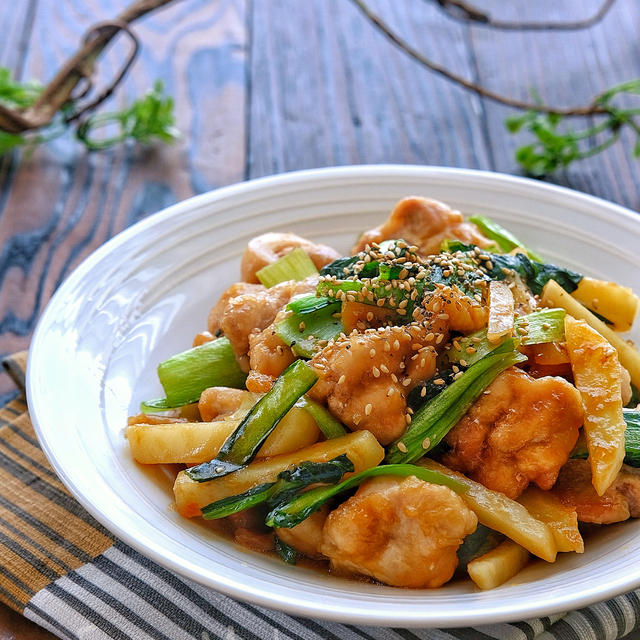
(440, 338)
(471, 350)
(426, 443)
(387, 346)
(406, 382)
(394, 377)
(302, 326)
(367, 409)
(341, 379)
(396, 345)
(407, 418)
(384, 368)
(439, 381)
(369, 316)
(457, 375)
(402, 447)
(356, 420)
(546, 326)
(376, 372)
(464, 363)
(443, 316)
(372, 353)
(423, 392)
(380, 302)
(390, 391)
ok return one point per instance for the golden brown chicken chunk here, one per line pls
(520, 430)
(269, 247)
(425, 223)
(269, 356)
(365, 378)
(404, 532)
(619, 502)
(254, 308)
(306, 537)
(219, 401)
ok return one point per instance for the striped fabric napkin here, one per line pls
(63, 570)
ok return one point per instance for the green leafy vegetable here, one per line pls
(287, 553)
(292, 512)
(481, 541)
(186, 375)
(503, 237)
(436, 418)
(538, 327)
(295, 265)
(287, 484)
(243, 444)
(534, 274)
(330, 427)
(307, 330)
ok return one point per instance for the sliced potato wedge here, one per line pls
(196, 442)
(500, 312)
(616, 303)
(553, 295)
(596, 374)
(502, 514)
(561, 519)
(498, 565)
(361, 447)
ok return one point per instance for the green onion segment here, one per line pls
(296, 265)
(436, 418)
(243, 444)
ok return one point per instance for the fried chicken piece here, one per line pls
(458, 311)
(425, 223)
(269, 356)
(306, 537)
(401, 531)
(365, 378)
(214, 322)
(520, 430)
(269, 247)
(253, 309)
(619, 502)
(219, 401)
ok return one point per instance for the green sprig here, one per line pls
(145, 120)
(557, 145)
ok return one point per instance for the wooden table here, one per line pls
(263, 87)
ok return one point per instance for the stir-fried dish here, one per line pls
(440, 402)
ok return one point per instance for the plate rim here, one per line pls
(471, 617)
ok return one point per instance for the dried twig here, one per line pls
(79, 68)
(461, 10)
(593, 108)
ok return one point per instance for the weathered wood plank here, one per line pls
(565, 67)
(327, 89)
(63, 202)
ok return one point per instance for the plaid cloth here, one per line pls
(63, 570)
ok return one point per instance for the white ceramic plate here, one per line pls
(142, 297)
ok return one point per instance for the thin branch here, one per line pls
(593, 108)
(77, 69)
(460, 10)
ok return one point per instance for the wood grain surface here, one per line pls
(265, 86)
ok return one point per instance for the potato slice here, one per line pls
(616, 303)
(498, 565)
(553, 295)
(561, 519)
(361, 447)
(502, 514)
(500, 312)
(596, 374)
(196, 442)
